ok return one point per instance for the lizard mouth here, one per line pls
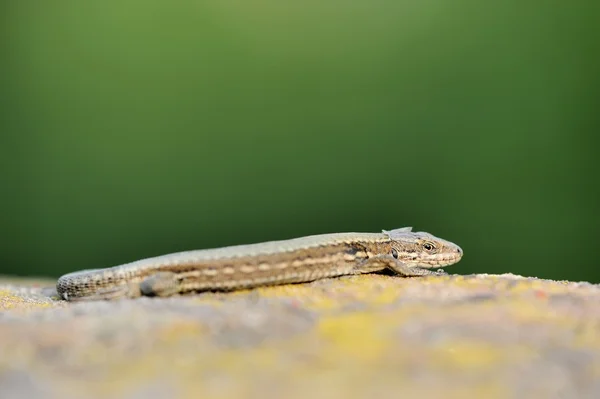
(440, 261)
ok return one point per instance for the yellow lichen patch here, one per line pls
(357, 335)
(336, 293)
(231, 360)
(474, 354)
(8, 299)
(483, 389)
(370, 288)
(180, 330)
(385, 297)
(12, 301)
(306, 295)
(207, 299)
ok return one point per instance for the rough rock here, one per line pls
(495, 336)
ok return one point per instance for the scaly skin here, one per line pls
(297, 260)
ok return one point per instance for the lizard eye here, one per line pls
(394, 253)
(428, 246)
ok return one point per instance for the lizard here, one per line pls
(297, 260)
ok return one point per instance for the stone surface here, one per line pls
(496, 336)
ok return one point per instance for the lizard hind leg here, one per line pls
(160, 284)
(130, 290)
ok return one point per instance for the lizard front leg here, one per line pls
(380, 262)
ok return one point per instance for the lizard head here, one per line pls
(422, 249)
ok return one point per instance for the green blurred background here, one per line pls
(137, 128)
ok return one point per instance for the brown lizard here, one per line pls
(304, 259)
